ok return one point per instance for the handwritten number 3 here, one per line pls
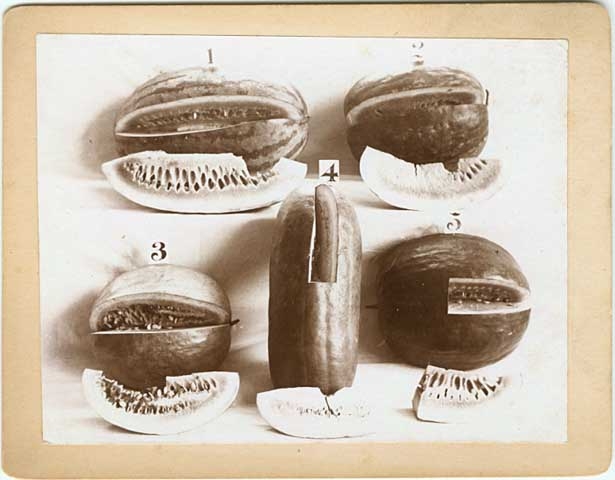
(159, 252)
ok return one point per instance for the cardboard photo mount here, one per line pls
(586, 28)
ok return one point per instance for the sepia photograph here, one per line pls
(289, 239)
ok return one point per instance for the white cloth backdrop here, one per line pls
(88, 233)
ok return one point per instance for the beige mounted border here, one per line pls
(588, 450)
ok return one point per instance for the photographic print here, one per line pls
(302, 239)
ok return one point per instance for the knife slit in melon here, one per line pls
(203, 113)
(326, 236)
(159, 316)
(486, 296)
(409, 102)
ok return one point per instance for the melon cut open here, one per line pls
(486, 296)
(202, 114)
(200, 110)
(443, 187)
(159, 321)
(453, 300)
(200, 183)
(185, 403)
(305, 412)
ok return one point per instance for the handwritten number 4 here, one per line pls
(331, 173)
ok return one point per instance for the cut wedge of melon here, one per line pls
(200, 183)
(186, 403)
(453, 396)
(305, 412)
(442, 187)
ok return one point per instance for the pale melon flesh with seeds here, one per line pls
(305, 412)
(184, 403)
(200, 183)
(159, 321)
(451, 396)
(451, 186)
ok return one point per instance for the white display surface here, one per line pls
(89, 233)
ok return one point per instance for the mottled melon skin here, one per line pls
(449, 341)
(449, 123)
(144, 359)
(204, 82)
(261, 139)
(313, 327)
(413, 302)
(438, 134)
(260, 144)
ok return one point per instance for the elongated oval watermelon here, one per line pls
(314, 292)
